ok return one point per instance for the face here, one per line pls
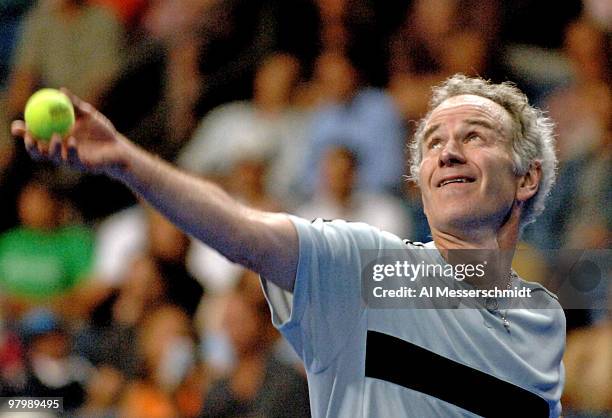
(338, 172)
(37, 207)
(275, 80)
(466, 174)
(246, 318)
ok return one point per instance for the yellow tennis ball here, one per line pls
(48, 111)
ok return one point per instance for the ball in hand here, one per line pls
(48, 111)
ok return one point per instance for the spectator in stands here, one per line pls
(12, 362)
(439, 38)
(336, 197)
(141, 230)
(12, 13)
(166, 348)
(588, 362)
(259, 384)
(579, 213)
(362, 118)
(239, 34)
(102, 393)
(108, 337)
(66, 43)
(48, 254)
(69, 43)
(359, 28)
(53, 370)
(267, 127)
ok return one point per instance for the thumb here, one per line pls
(81, 108)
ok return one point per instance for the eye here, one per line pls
(434, 143)
(472, 136)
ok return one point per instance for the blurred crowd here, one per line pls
(301, 106)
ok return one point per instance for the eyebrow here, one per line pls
(481, 122)
(476, 121)
(430, 131)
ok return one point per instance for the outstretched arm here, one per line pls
(264, 242)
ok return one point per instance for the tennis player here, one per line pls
(484, 161)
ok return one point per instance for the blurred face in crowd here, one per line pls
(433, 18)
(275, 80)
(585, 45)
(467, 178)
(140, 292)
(37, 207)
(166, 241)
(159, 332)
(143, 280)
(247, 318)
(338, 172)
(248, 177)
(336, 76)
(53, 344)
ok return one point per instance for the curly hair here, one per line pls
(532, 140)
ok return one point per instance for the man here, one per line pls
(484, 161)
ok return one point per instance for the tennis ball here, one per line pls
(48, 111)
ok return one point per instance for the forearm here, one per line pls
(203, 209)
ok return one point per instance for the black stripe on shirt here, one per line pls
(401, 362)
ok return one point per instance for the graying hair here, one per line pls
(532, 141)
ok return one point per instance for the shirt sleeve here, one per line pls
(326, 303)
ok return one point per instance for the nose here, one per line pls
(451, 154)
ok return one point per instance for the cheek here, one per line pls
(425, 173)
(426, 170)
(500, 179)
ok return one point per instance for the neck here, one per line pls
(493, 247)
(447, 239)
(482, 236)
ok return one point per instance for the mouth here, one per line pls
(457, 179)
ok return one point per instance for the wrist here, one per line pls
(122, 165)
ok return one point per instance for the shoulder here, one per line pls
(339, 231)
(544, 311)
(541, 296)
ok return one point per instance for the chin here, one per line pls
(461, 221)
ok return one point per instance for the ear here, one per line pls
(529, 183)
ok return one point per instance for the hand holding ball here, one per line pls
(49, 111)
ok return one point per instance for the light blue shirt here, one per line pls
(327, 322)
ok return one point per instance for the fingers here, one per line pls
(43, 148)
(55, 149)
(40, 150)
(81, 108)
(72, 155)
(18, 128)
(58, 150)
(32, 147)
